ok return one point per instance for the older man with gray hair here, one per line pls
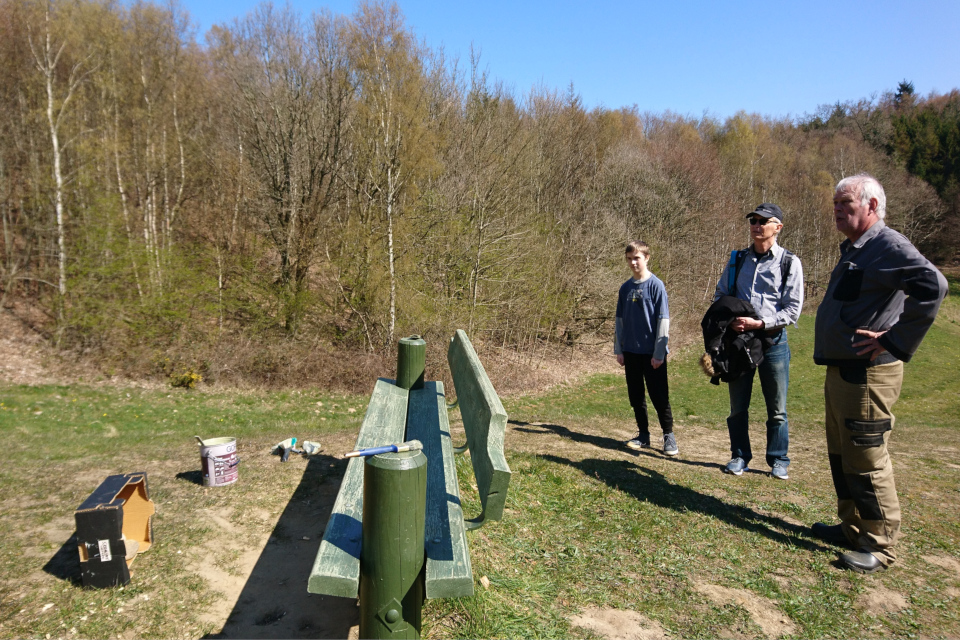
(882, 298)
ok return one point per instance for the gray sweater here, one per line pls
(882, 283)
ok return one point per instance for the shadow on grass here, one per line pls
(650, 486)
(65, 563)
(274, 602)
(196, 477)
(603, 442)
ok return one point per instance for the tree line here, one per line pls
(324, 184)
(922, 135)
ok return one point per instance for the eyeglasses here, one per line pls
(759, 221)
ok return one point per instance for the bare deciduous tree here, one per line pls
(292, 99)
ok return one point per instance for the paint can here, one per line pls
(218, 461)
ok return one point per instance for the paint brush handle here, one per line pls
(411, 445)
(372, 451)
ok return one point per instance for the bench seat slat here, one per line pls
(448, 570)
(336, 570)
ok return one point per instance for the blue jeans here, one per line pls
(774, 379)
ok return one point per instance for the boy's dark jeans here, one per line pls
(639, 371)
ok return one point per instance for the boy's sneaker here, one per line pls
(670, 444)
(779, 470)
(639, 443)
(736, 466)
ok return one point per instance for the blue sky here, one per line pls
(687, 56)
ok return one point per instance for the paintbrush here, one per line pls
(410, 445)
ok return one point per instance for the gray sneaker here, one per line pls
(779, 470)
(670, 444)
(736, 467)
(638, 443)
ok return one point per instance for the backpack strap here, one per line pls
(786, 261)
(736, 261)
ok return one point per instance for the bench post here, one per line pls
(394, 506)
(411, 362)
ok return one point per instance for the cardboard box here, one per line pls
(113, 526)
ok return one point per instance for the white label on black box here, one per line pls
(104, 546)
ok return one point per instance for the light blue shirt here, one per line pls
(759, 283)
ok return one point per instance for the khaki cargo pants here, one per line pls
(858, 422)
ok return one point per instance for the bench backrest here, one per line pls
(485, 423)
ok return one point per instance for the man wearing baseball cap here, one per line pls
(771, 279)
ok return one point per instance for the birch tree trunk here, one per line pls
(47, 62)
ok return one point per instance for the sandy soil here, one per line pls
(261, 587)
(23, 353)
(619, 625)
(763, 611)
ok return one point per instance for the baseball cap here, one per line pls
(767, 210)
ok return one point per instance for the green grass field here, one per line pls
(590, 526)
(664, 537)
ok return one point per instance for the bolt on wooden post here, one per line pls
(411, 362)
(392, 556)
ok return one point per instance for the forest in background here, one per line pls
(282, 203)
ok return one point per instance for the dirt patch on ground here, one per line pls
(763, 612)
(945, 562)
(617, 624)
(258, 562)
(881, 601)
(260, 537)
(23, 353)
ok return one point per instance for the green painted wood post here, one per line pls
(392, 556)
(411, 362)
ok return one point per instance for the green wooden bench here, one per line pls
(395, 415)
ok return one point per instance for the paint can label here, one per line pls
(219, 462)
